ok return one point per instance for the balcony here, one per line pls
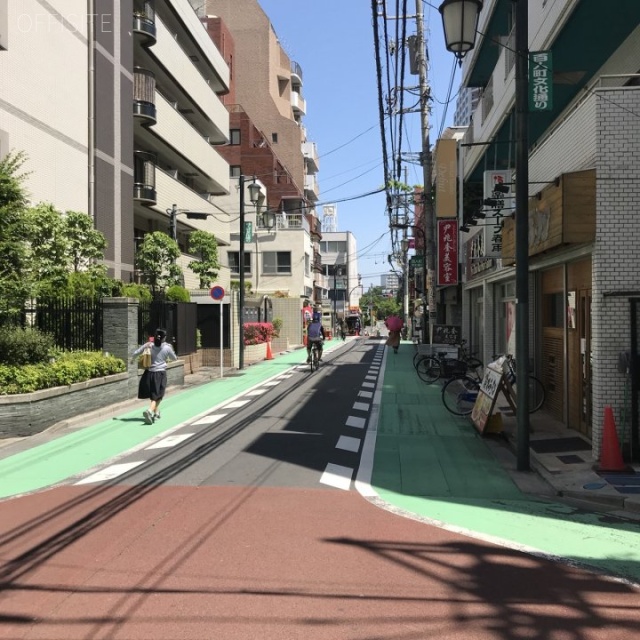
(310, 153)
(144, 177)
(298, 104)
(144, 22)
(311, 190)
(291, 221)
(144, 95)
(296, 72)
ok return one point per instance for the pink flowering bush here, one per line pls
(258, 332)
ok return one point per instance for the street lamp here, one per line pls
(173, 215)
(254, 195)
(460, 20)
(337, 271)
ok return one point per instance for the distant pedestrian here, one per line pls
(394, 324)
(153, 382)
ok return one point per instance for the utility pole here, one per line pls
(429, 221)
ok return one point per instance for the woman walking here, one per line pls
(394, 325)
(153, 382)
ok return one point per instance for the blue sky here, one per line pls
(332, 40)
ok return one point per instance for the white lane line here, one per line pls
(371, 377)
(273, 383)
(284, 375)
(354, 421)
(369, 385)
(348, 443)
(361, 406)
(108, 473)
(365, 394)
(256, 392)
(336, 475)
(209, 419)
(236, 404)
(169, 441)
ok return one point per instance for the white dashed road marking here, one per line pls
(348, 443)
(209, 419)
(336, 475)
(369, 385)
(170, 441)
(365, 394)
(361, 406)
(358, 423)
(108, 473)
(236, 404)
(256, 392)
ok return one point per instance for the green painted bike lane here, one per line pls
(436, 467)
(52, 462)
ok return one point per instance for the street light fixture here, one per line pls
(460, 20)
(254, 196)
(173, 215)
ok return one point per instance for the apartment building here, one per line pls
(583, 194)
(269, 141)
(119, 115)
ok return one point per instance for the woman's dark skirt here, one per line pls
(152, 385)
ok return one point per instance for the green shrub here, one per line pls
(176, 293)
(277, 325)
(24, 346)
(66, 369)
(139, 291)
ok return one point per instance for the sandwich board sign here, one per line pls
(493, 382)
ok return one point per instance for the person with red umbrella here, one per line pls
(394, 323)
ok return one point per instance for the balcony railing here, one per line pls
(293, 221)
(296, 69)
(144, 95)
(144, 21)
(144, 177)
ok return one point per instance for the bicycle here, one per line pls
(459, 395)
(431, 368)
(537, 392)
(315, 355)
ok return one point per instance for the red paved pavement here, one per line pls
(243, 563)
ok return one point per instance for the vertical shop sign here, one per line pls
(540, 81)
(447, 252)
(499, 202)
(446, 177)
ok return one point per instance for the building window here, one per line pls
(276, 262)
(274, 138)
(553, 310)
(234, 136)
(234, 262)
(235, 171)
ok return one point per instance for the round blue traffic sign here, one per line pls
(217, 292)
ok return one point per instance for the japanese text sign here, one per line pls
(447, 252)
(540, 81)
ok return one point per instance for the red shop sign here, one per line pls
(447, 252)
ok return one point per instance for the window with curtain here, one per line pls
(276, 262)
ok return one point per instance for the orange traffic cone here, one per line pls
(269, 354)
(610, 455)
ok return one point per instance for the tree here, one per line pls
(205, 245)
(85, 244)
(13, 246)
(156, 259)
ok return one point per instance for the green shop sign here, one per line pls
(540, 81)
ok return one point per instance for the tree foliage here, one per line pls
(156, 259)
(380, 303)
(205, 245)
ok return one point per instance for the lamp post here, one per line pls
(337, 271)
(460, 21)
(254, 192)
(173, 215)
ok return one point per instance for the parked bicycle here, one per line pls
(459, 394)
(537, 392)
(432, 368)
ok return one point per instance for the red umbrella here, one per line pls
(394, 323)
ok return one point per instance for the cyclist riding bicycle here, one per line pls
(315, 333)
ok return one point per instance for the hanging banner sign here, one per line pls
(445, 159)
(499, 201)
(248, 231)
(540, 81)
(447, 252)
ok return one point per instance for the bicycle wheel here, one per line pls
(459, 395)
(314, 359)
(537, 393)
(428, 369)
(475, 368)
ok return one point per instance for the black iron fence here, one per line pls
(75, 323)
(179, 319)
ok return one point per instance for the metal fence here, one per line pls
(75, 323)
(179, 319)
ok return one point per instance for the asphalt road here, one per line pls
(244, 524)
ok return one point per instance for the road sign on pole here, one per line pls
(217, 292)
